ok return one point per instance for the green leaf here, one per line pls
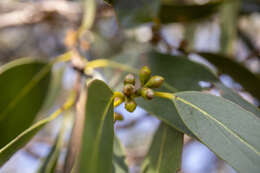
(227, 129)
(98, 134)
(23, 85)
(231, 95)
(50, 163)
(119, 165)
(135, 12)
(180, 74)
(17, 143)
(171, 12)
(228, 23)
(55, 88)
(165, 153)
(163, 109)
(238, 72)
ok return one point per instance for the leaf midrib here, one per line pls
(215, 120)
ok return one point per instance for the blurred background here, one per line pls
(43, 29)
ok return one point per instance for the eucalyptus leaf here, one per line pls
(135, 12)
(238, 72)
(230, 131)
(231, 95)
(98, 134)
(119, 164)
(165, 153)
(17, 143)
(181, 74)
(23, 86)
(172, 12)
(50, 163)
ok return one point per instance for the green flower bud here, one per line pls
(130, 105)
(155, 82)
(118, 117)
(129, 79)
(118, 101)
(144, 74)
(129, 90)
(147, 93)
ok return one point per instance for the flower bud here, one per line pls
(118, 101)
(118, 117)
(144, 75)
(147, 93)
(130, 105)
(155, 82)
(129, 90)
(129, 79)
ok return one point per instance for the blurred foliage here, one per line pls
(191, 43)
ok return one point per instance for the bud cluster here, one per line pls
(130, 92)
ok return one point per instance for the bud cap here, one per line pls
(155, 82)
(147, 93)
(129, 90)
(144, 75)
(130, 105)
(129, 79)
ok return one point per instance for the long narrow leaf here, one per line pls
(98, 134)
(23, 87)
(227, 129)
(166, 151)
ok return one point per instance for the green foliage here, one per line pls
(50, 163)
(119, 165)
(137, 12)
(231, 95)
(179, 72)
(227, 129)
(169, 87)
(17, 143)
(98, 134)
(170, 13)
(23, 84)
(238, 72)
(165, 154)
